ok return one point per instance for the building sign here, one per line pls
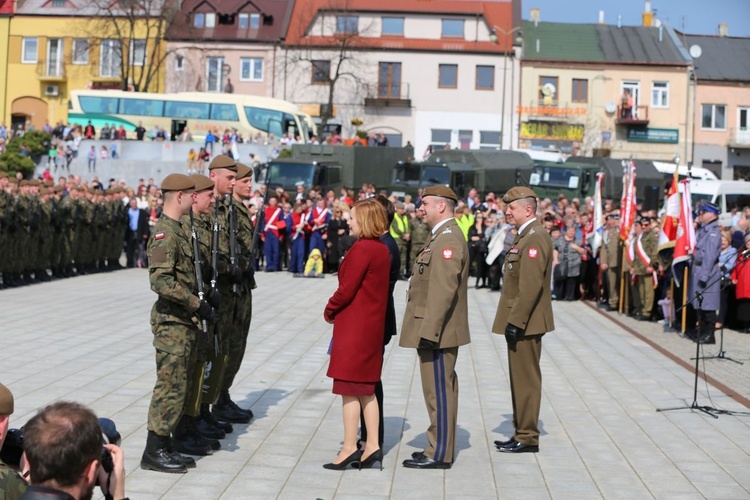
(547, 130)
(551, 111)
(662, 135)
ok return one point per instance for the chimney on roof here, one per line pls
(534, 15)
(619, 20)
(601, 17)
(723, 29)
(648, 15)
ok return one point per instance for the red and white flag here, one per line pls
(598, 222)
(627, 204)
(671, 219)
(685, 243)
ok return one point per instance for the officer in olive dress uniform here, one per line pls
(12, 485)
(175, 320)
(703, 273)
(524, 315)
(436, 323)
(645, 248)
(610, 257)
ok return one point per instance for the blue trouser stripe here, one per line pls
(441, 405)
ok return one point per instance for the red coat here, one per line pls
(357, 309)
(741, 274)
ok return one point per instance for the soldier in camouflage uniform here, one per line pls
(223, 171)
(174, 322)
(12, 485)
(419, 234)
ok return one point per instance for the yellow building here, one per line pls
(55, 47)
(4, 30)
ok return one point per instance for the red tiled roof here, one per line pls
(495, 13)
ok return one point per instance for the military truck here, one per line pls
(332, 167)
(576, 178)
(461, 170)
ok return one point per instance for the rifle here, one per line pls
(232, 238)
(254, 247)
(198, 269)
(215, 247)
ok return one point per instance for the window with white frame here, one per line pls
(453, 28)
(393, 26)
(714, 116)
(244, 20)
(210, 20)
(80, 51)
(214, 76)
(440, 137)
(660, 95)
(137, 52)
(199, 19)
(54, 57)
(110, 58)
(347, 25)
(30, 50)
(179, 63)
(489, 139)
(251, 69)
(254, 21)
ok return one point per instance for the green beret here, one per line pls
(442, 191)
(517, 193)
(177, 182)
(202, 182)
(3, 174)
(48, 183)
(223, 161)
(6, 401)
(59, 189)
(12, 179)
(34, 182)
(23, 183)
(243, 171)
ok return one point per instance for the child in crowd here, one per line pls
(192, 162)
(666, 308)
(104, 154)
(314, 265)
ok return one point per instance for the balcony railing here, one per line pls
(639, 116)
(385, 95)
(739, 137)
(50, 72)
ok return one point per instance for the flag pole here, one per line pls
(671, 300)
(684, 297)
(622, 281)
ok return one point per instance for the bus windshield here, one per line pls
(289, 175)
(555, 177)
(431, 175)
(272, 121)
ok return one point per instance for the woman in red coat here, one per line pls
(357, 311)
(741, 278)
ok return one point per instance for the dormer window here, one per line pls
(199, 19)
(347, 25)
(59, 3)
(254, 21)
(453, 28)
(210, 20)
(244, 21)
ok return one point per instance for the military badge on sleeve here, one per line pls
(447, 253)
(159, 236)
(533, 252)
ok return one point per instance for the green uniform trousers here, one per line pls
(440, 388)
(526, 388)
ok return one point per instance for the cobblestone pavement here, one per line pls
(88, 339)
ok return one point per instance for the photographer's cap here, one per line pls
(6, 401)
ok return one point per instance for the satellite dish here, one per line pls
(695, 51)
(610, 107)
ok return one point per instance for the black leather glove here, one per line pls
(235, 274)
(205, 311)
(701, 283)
(214, 297)
(512, 333)
(428, 344)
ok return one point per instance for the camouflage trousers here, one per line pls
(11, 484)
(175, 357)
(233, 330)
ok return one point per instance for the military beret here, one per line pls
(24, 182)
(243, 171)
(48, 183)
(177, 182)
(43, 190)
(3, 174)
(517, 193)
(442, 191)
(59, 189)
(202, 182)
(12, 180)
(34, 182)
(223, 161)
(6, 401)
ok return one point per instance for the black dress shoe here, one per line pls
(417, 454)
(425, 462)
(516, 447)
(504, 443)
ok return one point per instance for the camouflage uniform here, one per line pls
(12, 485)
(419, 234)
(173, 321)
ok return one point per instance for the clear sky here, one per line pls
(700, 17)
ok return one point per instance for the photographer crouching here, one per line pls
(64, 449)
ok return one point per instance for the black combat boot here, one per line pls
(188, 461)
(208, 417)
(188, 442)
(207, 429)
(157, 457)
(192, 429)
(225, 409)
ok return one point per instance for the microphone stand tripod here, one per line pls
(708, 410)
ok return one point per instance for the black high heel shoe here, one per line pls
(375, 457)
(353, 460)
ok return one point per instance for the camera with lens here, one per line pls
(13, 446)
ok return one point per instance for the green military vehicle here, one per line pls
(333, 167)
(576, 178)
(463, 169)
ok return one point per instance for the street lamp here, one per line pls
(517, 41)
